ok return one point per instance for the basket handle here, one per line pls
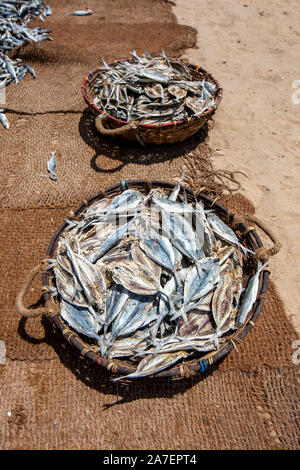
(19, 302)
(265, 253)
(118, 131)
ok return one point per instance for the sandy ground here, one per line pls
(252, 48)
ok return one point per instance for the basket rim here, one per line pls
(205, 360)
(190, 119)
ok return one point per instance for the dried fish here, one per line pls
(4, 121)
(249, 295)
(14, 32)
(155, 89)
(51, 166)
(225, 232)
(154, 364)
(164, 286)
(80, 319)
(80, 13)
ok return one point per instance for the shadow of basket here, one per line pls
(126, 152)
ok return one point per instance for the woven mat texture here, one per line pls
(57, 399)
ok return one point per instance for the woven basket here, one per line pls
(200, 362)
(165, 133)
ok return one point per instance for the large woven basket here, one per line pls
(165, 133)
(199, 363)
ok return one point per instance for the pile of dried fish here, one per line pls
(13, 35)
(153, 279)
(24, 10)
(14, 16)
(151, 90)
(14, 32)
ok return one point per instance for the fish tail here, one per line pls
(246, 250)
(262, 266)
(124, 377)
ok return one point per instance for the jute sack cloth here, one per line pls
(86, 161)
(69, 404)
(80, 43)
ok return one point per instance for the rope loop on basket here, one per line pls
(19, 301)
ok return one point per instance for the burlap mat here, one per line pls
(86, 162)
(57, 399)
(79, 44)
(53, 409)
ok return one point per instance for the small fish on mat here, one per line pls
(4, 120)
(51, 165)
(80, 13)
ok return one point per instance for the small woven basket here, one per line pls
(165, 133)
(199, 362)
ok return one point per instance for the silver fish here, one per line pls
(249, 296)
(133, 307)
(152, 365)
(80, 319)
(65, 287)
(112, 240)
(4, 121)
(199, 282)
(160, 250)
(183, 236)
(80, 13)
(174, 193)
(89, 277)
(51, 166)
(223, 231)
(127, 346)
(136, 278)
(139, 256)
(222, 302)
(115, 303)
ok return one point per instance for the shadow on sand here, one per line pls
(100, 379)
(126, 152)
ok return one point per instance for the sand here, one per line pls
(252, 48)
